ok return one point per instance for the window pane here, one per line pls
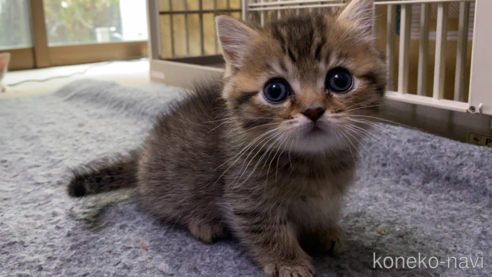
(15, 25)
(95, 21)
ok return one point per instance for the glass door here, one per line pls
(43, 33)
(15, 33)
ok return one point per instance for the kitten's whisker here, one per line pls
(263, 142)
(260, 146)
(279, 148)
(364, 145)
(290, 150)
(241, 172)
(369, 101)
(350, 149)
(356, 139)
(232, 119)
(356, 132)
(256, 165)
(252, 128)
(243, 169)
(338, 138)
(217, 126)
(384, 121)
(263, 125)
(271, 161)
(238, 155)
(269, 154)
(218, 120)
(278, 159)
(365, 132)
(362, 107)
(245, 148)
(370, 123)
(357, 104)
(247, 166)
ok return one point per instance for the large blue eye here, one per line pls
(339, 80)
(276, 91)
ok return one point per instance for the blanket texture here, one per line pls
(420, 201)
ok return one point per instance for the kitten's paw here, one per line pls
(333, 240)
(296, 268)
(205, 232)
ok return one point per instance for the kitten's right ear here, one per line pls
(359, 13)
(235, 38)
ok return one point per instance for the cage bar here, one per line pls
(398, 2)
(279, 15)
(200, 18)
(441, 41)
(262, 15)
(245, 9)
(480, 81)
(391, 44)
(171, 25)
(462, 49)
(185, 5)
(299, 6)
(423, 49)
(216, 43)
(404, 65)
(291, 3)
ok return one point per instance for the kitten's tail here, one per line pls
(104, 175)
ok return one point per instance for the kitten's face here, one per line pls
(307, 84)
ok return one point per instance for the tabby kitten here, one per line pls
(4, 64)
(268, 154)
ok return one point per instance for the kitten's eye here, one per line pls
(276, 91)
(339, 80)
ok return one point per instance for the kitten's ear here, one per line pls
(234, 37)
(360, 13)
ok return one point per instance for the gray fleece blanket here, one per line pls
(421, 205)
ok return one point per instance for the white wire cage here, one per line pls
(438, 51)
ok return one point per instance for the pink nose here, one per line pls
(313, 113)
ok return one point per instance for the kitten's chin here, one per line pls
(316, 141)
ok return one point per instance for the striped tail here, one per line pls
(104, 175)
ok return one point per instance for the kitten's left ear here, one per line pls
(235, 38)
(360, 13)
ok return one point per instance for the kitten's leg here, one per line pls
(273, 243)
(207, 232)
(332, 239)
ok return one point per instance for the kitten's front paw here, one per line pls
(296, 268)
(207, 232)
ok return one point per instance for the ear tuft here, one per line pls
(235, 38)
(360, 13)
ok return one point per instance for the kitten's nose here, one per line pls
(313, 113)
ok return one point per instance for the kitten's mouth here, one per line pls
(315, 130)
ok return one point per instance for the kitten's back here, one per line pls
(184, 138)
(178, 176)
